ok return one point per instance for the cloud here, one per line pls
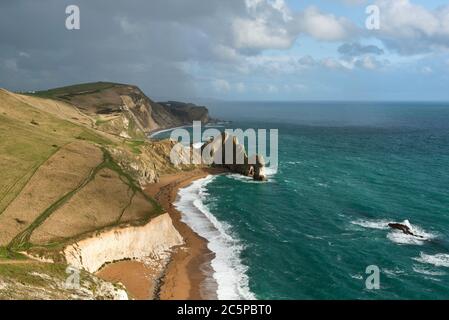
(353, 2)
(221, 86)
(410, 29)
(326, 27)
(355, 49)
(240, 87)
(173, 48)
(258, 34)
(158, 45)
(271, 25)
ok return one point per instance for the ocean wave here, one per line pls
(293, 162)
(229, 271)
(372, 224)
(398, 236)
(427, 272)
(438, 260)
(356, 276)
(156, 133)
(393, 273)
(402, 238)
(269, 171)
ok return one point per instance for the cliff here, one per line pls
(124, 109)
(74, 162)
(132, 242)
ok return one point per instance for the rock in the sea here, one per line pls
(259, 169)
(238, 161)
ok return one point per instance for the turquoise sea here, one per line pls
(345, 171)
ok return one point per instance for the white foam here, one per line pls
(156, 133)
(356, 276)
(271, 171)
(293, 162)
(372, 224)
(229, 272)
(393, 273)
(427, 272)
(438, 260)
(398, 236)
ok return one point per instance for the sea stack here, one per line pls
(253, 166)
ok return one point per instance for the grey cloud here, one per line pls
(355, 49)
(137, 41)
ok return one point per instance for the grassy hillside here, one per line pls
(74, 90)
(124, 109)
(30, 137)
(49, 164)
(67, 174)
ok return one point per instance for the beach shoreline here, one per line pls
(187, 274)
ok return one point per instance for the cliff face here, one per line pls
(187, 112)
(151, 240)
(68, 173)
(253, 166)
(124, 109)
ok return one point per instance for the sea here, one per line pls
(319, 226)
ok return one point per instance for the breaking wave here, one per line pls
(229, 272)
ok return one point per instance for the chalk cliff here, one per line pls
(132, 242)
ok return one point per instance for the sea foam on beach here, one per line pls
(229, 272)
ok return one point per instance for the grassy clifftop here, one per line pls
(124, 109)
(65, 176)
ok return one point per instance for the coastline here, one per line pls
(187, 274)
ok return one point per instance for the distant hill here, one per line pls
(117, 105)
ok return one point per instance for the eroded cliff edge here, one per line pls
(153, 239)
(74, 164)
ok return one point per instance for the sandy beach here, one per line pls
(187, 275)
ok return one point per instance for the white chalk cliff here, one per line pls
(132, 242)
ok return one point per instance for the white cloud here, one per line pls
(221, 86)
(282, 64)
(258, 34)
(323, 26)
(367, 62)
(272, 25)
(410, 28)
(240, 87)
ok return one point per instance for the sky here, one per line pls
(232, 49)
